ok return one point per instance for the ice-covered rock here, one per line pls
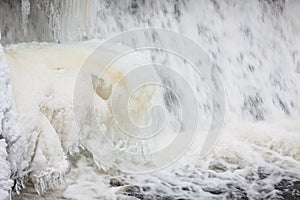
(43, 77)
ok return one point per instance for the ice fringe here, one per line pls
(47, 179)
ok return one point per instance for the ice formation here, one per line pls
(25, 7)
(16, 145)
(45, 107)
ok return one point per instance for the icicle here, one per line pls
(48, 179)
(25, 13)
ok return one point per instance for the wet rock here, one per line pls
(132, 189)
(213, 190)
(218, 167)
(115, 182)
(288, 189)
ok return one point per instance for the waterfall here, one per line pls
(253, 46)
(264, 36)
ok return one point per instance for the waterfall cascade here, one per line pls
(254, 46)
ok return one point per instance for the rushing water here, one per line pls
(254, 46)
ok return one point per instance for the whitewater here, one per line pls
(254, 48)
